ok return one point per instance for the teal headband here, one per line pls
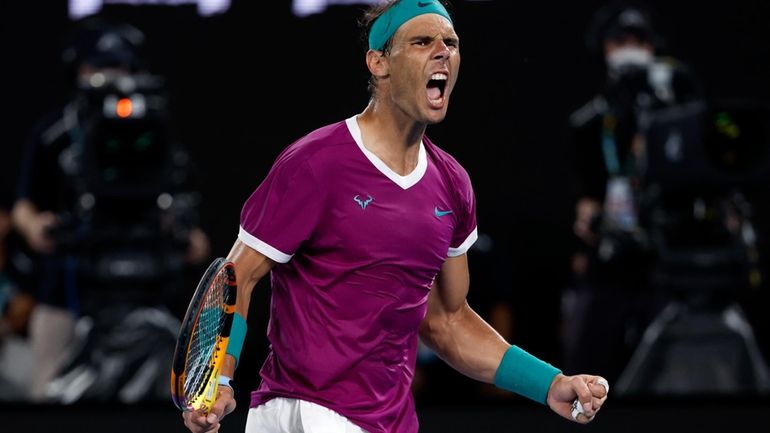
(387, 23)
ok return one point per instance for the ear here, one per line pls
(377, 63)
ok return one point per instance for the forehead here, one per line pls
(426, 25)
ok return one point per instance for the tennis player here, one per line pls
(364, 227)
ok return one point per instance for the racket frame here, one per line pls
(205, 397)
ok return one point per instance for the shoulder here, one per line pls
(317, 147)
(446, 163)
(456, 183)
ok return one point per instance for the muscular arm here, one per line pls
(454, 331)
(467, 343)
(250, 267)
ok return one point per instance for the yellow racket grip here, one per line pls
(205, 401)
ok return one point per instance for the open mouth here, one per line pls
(436, 86)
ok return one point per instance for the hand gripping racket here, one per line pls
(203, 337)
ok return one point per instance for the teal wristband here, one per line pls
(237, 337)
(524, 374)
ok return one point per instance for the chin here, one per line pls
(435, 117)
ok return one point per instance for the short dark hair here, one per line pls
(368, 18)
(618, 20)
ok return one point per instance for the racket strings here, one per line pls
(203, 342)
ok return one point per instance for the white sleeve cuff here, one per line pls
(465, 246)
(263, 247)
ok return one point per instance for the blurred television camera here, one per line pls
(665, 216)
(110, 217)
(131, 218)
(701, 164)
(673, 159)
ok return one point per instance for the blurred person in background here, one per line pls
(612, 303)
(16, 306)
(105, 210)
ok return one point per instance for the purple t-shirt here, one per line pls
(358, 248)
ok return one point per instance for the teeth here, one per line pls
(438, 76)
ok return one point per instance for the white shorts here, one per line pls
(289, 415)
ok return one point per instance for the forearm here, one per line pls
(465, 341)
(33, 225)
(23, 213)
(250, 268)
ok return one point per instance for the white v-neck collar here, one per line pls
(405, 182)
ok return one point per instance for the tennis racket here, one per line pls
(203, 337)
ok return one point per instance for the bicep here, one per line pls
(450, 289)
(454, 331)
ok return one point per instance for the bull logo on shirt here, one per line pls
(363, 203)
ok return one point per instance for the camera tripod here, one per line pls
(701, 343)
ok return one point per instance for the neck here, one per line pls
(391, 135)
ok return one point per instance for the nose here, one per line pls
(442, 50)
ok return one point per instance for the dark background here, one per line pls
(247, 83)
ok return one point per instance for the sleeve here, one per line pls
(466, 232)
(283, 211)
